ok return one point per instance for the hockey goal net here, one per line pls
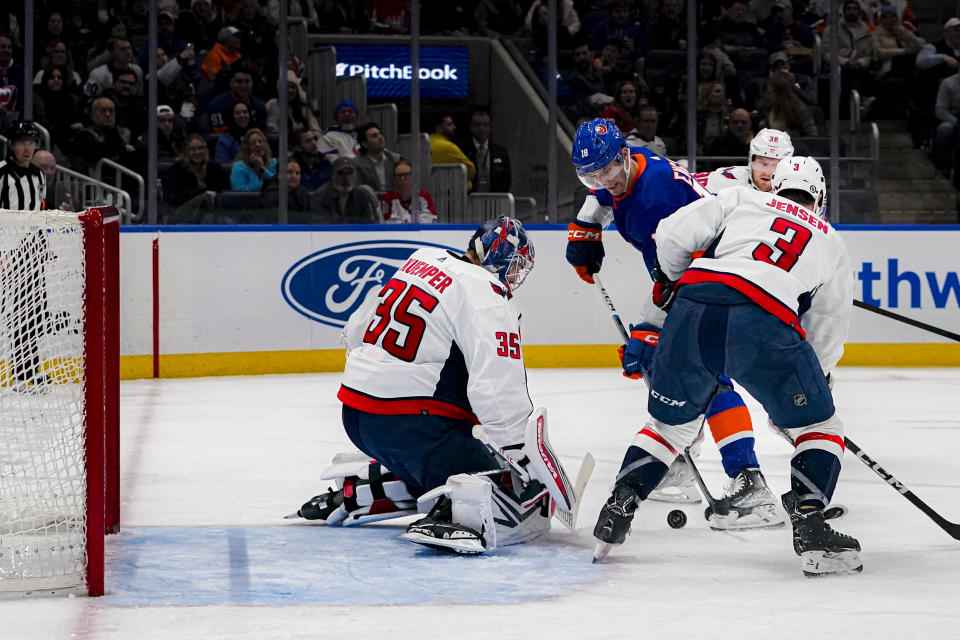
(59, 408)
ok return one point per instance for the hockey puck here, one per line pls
(677, 519)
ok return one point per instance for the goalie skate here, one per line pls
(822, 550)
(677, 486)
(748, 502)
(437, 531)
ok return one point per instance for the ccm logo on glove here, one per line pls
(585, 248)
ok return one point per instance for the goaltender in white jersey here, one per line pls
(434, 384)
(767, 148)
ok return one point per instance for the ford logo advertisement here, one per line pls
(443, 70)
(329, 285)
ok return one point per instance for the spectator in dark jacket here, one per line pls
(192, 183)
(298, 198)
(315, 169)
(491, 159)
(343, 201)
(102, 139)
(57, 107)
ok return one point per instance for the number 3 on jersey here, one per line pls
(396, 298)
(789, 250)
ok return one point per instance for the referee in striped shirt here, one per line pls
(22, 184)
(23, 283)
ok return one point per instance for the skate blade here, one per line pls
(293, 516)
(467, 547)
(834, 512)
(601, 551)
(733, 522)
(816, 564)
(674, 498)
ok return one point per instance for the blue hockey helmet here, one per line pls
(597, 145)
(503, 248)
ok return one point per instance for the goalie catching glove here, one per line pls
(637, 354)
(585, 248)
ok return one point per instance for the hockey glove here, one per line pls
(664, 289)
(637, 354)
(585, 248)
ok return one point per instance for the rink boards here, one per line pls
(251, 300)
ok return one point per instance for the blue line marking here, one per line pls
(304, 564)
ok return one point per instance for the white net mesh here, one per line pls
(42, 476)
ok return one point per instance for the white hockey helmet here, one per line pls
(802, 173)
(771, 143)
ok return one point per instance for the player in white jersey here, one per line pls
(769, 305)
(767, 148)
(435, 353)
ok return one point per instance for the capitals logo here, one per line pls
(329, 285)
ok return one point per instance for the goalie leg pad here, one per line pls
(544, 464)
(372, 494)
(476, 513)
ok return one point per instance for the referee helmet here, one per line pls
(23, 130)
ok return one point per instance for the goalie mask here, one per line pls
(801, 173)
(597, 152)
(503, 248)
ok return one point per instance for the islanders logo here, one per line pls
(329, 285)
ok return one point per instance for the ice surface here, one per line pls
(211, 465)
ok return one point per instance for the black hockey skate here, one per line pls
(748, 503)
(438, 531)
(320, 507)
(614, 521)
(822, 550)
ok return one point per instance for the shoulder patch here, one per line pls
(501, 291)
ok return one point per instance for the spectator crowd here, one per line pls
(218, 120)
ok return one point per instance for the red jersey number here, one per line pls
(789, 250)
(508, 345)
(396, 298)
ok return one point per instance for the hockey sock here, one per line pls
(813, 476)
(641, 471)
(732, 430)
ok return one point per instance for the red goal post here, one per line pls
(59, 399)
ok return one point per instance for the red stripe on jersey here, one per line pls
(763, 299)
(403, 406)
(816, 435)
(653, 435)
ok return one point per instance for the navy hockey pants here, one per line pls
(714, 331)
(422, 450)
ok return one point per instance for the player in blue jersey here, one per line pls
(636, 189)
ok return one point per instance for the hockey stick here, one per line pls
(613, 310)
(906, 320)
(953, 529)
(718, 508)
